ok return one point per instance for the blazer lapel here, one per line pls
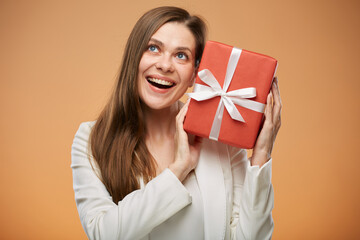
(211, 183)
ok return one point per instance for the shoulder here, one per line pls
(85, 128)
(84, 131)
(80, 152)
(82, 136)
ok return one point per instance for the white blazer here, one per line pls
(237, 198)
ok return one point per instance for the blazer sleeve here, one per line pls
(253, 198)
(135, 215)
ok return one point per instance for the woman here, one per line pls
(133, 168)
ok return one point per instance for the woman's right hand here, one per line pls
(186, 153)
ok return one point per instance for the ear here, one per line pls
(193, 78)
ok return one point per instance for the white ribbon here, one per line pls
(227, 99)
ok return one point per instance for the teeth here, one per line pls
(160, 81)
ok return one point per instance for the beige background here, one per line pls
(58, 62)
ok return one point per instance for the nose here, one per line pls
(165, 63)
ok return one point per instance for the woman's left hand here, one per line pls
(186, 153)
(265, 141)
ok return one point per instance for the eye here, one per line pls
(182, 56)
(153, 48)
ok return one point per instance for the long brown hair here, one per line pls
(117, 139)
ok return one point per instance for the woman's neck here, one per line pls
(160, 124)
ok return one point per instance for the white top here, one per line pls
(224, 198)
(187, 223)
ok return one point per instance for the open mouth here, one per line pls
(160, 83)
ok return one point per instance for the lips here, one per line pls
(160, 83)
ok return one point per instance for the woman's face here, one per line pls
(167, 67)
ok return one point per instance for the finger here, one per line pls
(277, 83)
(268, 109)
(186, 105)
(277, 102)
(275, 87)
(181, 134)
(276, 90)
(181, 115)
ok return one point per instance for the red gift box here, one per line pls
(233, 113)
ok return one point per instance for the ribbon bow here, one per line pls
(227, 99)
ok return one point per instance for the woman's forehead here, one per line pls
(175, 35)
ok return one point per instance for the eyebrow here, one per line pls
(158, 42)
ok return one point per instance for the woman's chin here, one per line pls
(158, 101)
(159, 104)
